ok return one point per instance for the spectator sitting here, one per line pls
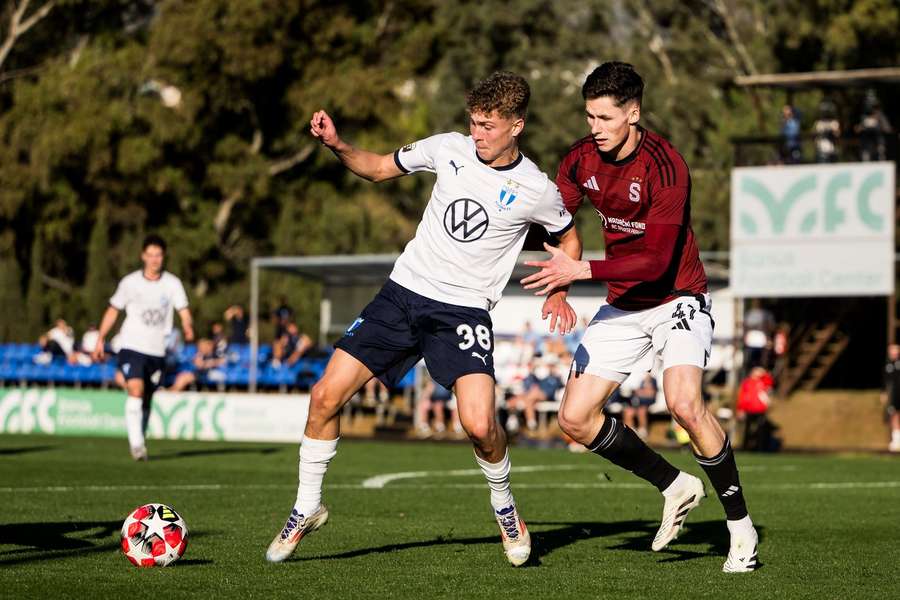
(828, 132)
(291, 346)
(58, 342)
(436, 398)
(753, 402)
(89, 339)
(237, 321)
(206, 362)
(282, 317)
(541, 386)
(637, 403)
(174, 352)
(555, 345)
(217, 333)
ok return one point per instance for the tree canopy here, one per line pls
(190, 119)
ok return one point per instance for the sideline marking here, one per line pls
(822, 485)
(379, 481)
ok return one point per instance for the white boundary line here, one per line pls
(379, 481)
(822, 485)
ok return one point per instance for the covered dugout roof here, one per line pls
(373, 269)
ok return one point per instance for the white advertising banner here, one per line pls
(813, 230)
(175, 416)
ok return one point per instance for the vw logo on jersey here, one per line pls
(508, 194)
(465, 220)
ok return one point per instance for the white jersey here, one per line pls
(149, 306)
(475, 223)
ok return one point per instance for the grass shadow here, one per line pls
(24, 450)
(213, 452)
(51, 541)
(635, 535)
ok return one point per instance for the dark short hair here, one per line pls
(503, 91)
(616, 79)
(154, 240)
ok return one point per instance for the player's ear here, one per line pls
(634, 113)
(518, 126)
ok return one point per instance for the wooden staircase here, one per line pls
(813, 350)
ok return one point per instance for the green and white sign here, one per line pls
(184, 416)
(813, 230)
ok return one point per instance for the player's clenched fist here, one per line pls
(322, 127)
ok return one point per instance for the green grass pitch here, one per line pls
(829, 525)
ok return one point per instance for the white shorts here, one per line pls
(619, 342)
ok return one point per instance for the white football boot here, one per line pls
(294, 529)
(676, 508)
(742, 554)
(514, 534)
(139, 453)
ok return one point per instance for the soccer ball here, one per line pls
(154, 535)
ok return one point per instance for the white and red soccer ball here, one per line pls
(154, 535)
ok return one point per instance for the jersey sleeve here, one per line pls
(551, 213)
(419, 155)
(567, 184)
(670, 190)
(120, 296)
(179, 297)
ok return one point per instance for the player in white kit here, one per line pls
(435, 304)
(148, 297)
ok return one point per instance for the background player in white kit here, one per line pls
(148, 297)
(435, 304)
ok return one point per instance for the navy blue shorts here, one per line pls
(149, 369)
(399, 327)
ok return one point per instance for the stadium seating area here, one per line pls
(17, 366)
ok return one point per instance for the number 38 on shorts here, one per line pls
(470, 335)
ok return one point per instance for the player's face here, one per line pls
(494, 135)
(610, 123)
(153, 257)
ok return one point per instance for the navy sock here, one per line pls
(621, 446)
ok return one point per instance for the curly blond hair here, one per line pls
(502, 91)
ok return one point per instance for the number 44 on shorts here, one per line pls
(683, 317)
(481, 333)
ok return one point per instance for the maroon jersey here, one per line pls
(648, 189)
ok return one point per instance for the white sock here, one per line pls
(676, 485)
(134, 408)
(145, 415)
(895, 436)
(314, 458)
(741, 527)
(497, 475)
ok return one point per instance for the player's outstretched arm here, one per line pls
(187, 324)
(558, 272)
(106, 325)
(556, 307)
(368, 165)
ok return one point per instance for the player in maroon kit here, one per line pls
(657, 305)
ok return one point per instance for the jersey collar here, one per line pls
(161, 273)
(508, 167)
